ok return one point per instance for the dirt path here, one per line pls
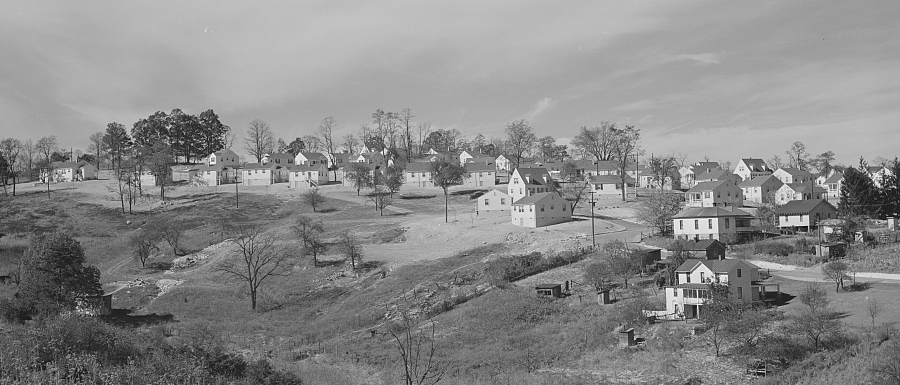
(814, 274)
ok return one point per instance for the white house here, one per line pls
(216, 174)
(282, 159)
(418, 174)
(760, 189)
(878, 173)
(224, 158)
(798, 191)
(711, 223)
(480, 175)
(606, 184)
(750, 168)
(804, 215)
(465, 156)
(713, 194)
(255, 174)
(689, 173)
(72, 171)
(307, 175)
(541, 209)
(648, 180)
(496, 199)
(719, 174)
(833, 184)
(691, 289)
(528, 181)
(788, 175)
(503, 163)
(311, 158)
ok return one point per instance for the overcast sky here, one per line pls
(724, 79)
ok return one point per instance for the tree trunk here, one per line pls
(446, 207)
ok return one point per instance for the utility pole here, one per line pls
(593, 232)
(237, 202)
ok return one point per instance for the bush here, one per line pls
(778, 248)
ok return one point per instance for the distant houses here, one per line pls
(761, 189)
(711, 223)
(71, 171)
(804, 215)
(718, 193)
(749, 168)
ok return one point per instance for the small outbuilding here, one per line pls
(831, 250)
(709, 249)
(549, 290)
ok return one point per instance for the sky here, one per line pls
(722, 80)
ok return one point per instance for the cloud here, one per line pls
(702, 59)
(542, 106)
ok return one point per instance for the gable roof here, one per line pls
(306, 167)
(756, 165)
(805, 187)
(711, 212)
(795, 171)
(707, 186)
(313, 155)
(610, 179)
(259, 166)
(835, 178)
(802, 207)
(761, 180)
(535, 198)
(481, 159)
(533, 175)
(716, 174)
(716, 266)
(59, 165)
(702, 166)
(476, 167)
(698, 245)
(418, 167)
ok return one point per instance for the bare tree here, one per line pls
(417, 353)
(313, 143)
(9, 150)
(406, 116)
(144, 243)
(659, 208)
(310, 233)
(886, 367)
(797, 155)
(172, 233)
(28, 157)
(574, 192)
(46, 146)
(775, 162)
(96, 148)
(622, 262)
(351, 248)
(872, 308)
(663, 169)
(816, 321)
(626, 144)
(596, 141)
(360, 175)
(424, 129)
(312, 198)
(259, 258)
(118, 144)
(836, 271)
(350, 143)
(325, 129)
(380, 198)
(521, 139)
(259, 139)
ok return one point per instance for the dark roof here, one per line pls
(699, 245)
(707, 186)
(711, 212)
(795, 171)
(475, 167)
(312, 155)
(535, 174)
(715, 175)
(305, 167)
(609, 179)
(703, 166)
(802, 206)
(835, 178)
(547, 286)
(418, 167)
(760, 180)
(692, 285)
(535, 198)
(257, 166)
(59, 165)
(756, 165)
(805, 187)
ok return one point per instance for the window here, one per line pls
(740, 292)
(706, 195)
(687, 277)
(702, 277)
(727, 223)
(696, 224)
(739, 273)
(502, 201)
(542, 207)
(801, 217)
(487, 202)
(710, 224)
(565, 207)
(680, 224)
(675, 292)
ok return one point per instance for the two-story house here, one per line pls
(804, 215)
(717, 175)
(529, 181)
(750, 168)
(541, 209)
(693, 278)
(711, 223)
(714, 194)
(503, 163)
(689, 173)
(788, 175)
(307, 175)
(480, 175)
(833, 184)
(798, 191)
(761, 189)
(418, 174)
(224, 157)
(216, 174)
(311, 158)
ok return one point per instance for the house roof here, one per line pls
(215, 167)
(481, 159)
(795, 171)
(418, 167)
(223, 152)
(707, 186)
(761, 180)
(475, 167)
(802, 206)
(717, 174)
(698, 245)
(311, 155)
(805, 187)
(535, 198)
(59, 165)
(835, 178)
(874, 169)
(703, 166)
(711, 212)
(716, 266)
(258, 166)
(534, 175)
(755, 165)
(305, 167)
(547, 286)
(184, 167)
(609, 179)
(501, 188)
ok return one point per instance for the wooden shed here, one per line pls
(549, 290)
(832, 250)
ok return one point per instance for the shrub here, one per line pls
(778, 248)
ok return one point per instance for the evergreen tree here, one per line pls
(859, 196)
